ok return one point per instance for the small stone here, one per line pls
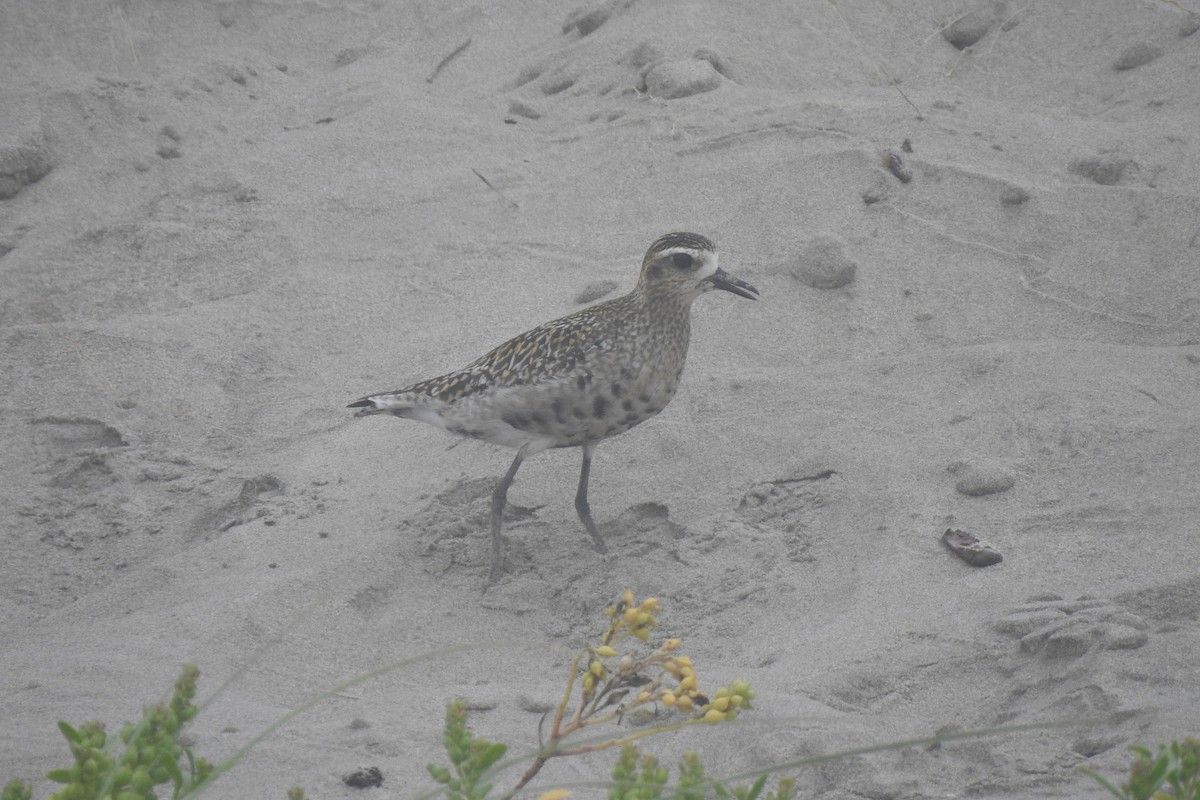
(969, 28)
(671, 80)
(823, 265)
(1013, 196)
(364, 778)
(1104, 171)
(1137, 55)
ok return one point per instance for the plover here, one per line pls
(578, 380)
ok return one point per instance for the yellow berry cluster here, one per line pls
(726, 702)
(629, 618)
(685, 694)
(602, 678)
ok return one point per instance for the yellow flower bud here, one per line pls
(604, 651)
(668, 699)
(625, 664)
(589, 683)
(628, 597)
(642, 617)
(720, 704)
(736, 700)
(684, 703)
(671, 644)
(650, 604)
(596, 668)
(688, 683)
(644, 697)
(554, 794)
(712, 715)
(683, 661)
(631, 614)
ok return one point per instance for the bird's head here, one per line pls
(684, 265)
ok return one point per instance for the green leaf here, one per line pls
(492, 755)
(785, 789)
(172, 768)
(16, 790)
(757, 787)
(1155, 779)
(59, 775)
(72, 735)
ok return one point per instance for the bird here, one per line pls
(577, 380)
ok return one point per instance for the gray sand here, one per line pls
(224, 221)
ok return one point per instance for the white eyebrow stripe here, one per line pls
(691, 251)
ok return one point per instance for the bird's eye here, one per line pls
(682, 260)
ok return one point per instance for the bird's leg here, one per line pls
(499, 500)
(581, 503)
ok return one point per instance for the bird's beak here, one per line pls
(723, 280)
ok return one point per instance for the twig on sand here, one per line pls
(442, 64)
(488, 184)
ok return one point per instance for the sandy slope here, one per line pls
(255, 212)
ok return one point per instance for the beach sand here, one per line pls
(976, 231)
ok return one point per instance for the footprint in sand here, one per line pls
(1053, 628)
